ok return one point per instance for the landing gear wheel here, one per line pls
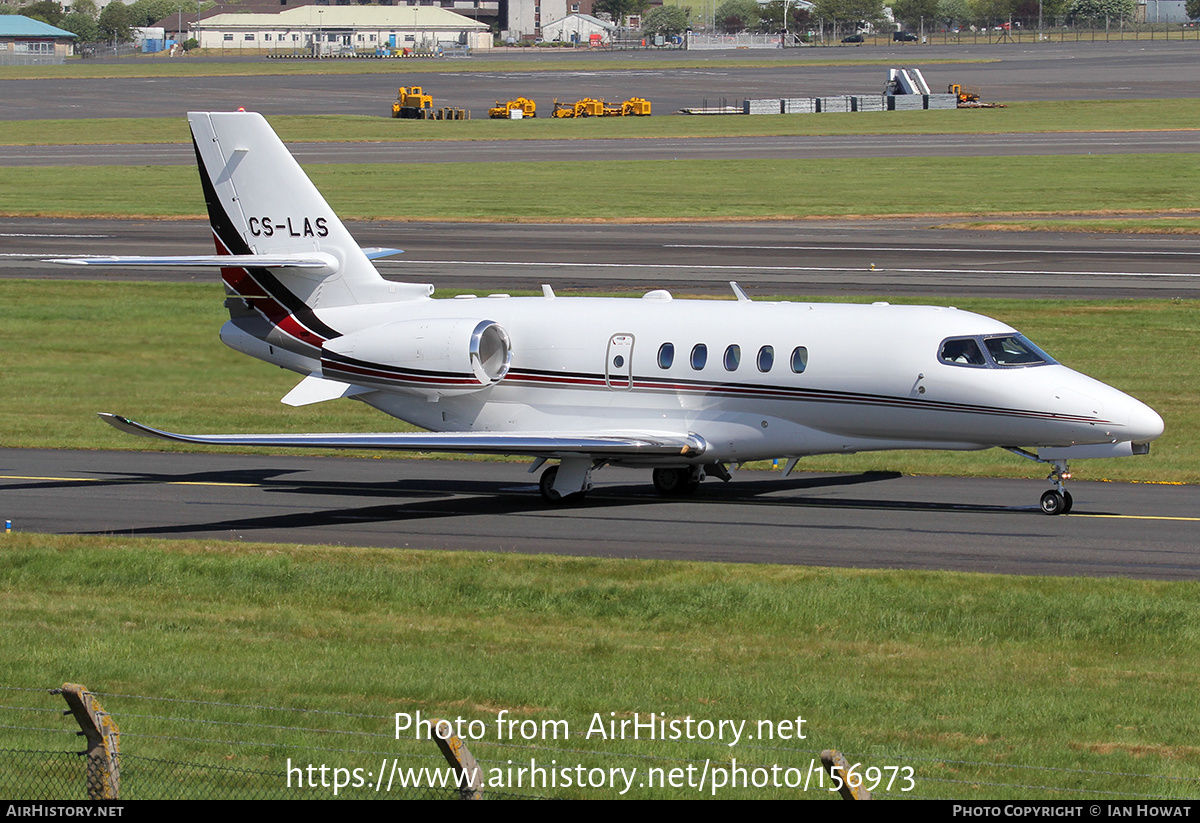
(546, 487)
(675, 482)
(1067, 502)
(1055, 502)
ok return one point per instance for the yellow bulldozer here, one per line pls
(412, 103)
(503, 111)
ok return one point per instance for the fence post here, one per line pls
(466, 770)
(103, 740)
(835, 762)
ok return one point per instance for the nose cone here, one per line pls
(1145, 424)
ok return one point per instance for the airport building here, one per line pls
(340, 29)
(583, 29)
(25, 41)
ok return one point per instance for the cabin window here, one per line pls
(733, 358)
(699, 356)
(799, 359)
(766, 358)
(962, 351)
(666, 355)
(1015, 350)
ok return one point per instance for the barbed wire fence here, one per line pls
(178, 748)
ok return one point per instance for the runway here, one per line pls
(1127, 70)
(880, 520)
(815, 257)
(790, 147)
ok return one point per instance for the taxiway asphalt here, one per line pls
(881, 520)
(1127, 70)
(813, 257)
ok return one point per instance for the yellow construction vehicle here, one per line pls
(587, 107)
(636, 106)
(968, 97)
(966, 94)
(591, 107)
(503, 111)
(412, 103)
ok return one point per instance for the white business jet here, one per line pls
(687, 388)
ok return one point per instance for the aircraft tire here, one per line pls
(546, 487)
(1053, 502)
(1068, 501)
(675, 482)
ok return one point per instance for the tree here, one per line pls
(853, 11)
(733, 16)
(79, 23)
(1193, 9)
(149, 12)
(771, 16)
(618, 10)
(48, 11)
(954, 13)
(913, 12)
(666, 20)
(114, 22)
(1095, 9)
(85, 7)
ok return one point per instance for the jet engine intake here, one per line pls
(441, 356)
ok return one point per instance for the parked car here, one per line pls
(904, 37)
(854, 38)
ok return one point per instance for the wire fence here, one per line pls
(177, 748)
(1094, 30)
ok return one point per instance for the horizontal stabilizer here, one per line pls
(314, 389)
(626, 444)
(324, 263)
(374, 253)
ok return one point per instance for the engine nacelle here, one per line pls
(430, 357)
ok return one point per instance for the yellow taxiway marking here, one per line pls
(126, 480)
(1136, 517)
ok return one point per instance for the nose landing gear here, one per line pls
(1058, 500)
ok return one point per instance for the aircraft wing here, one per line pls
(599, 444)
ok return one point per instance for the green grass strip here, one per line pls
(1131, 225)
(1090, 115)
(976, 681)
(150, 351)
(651, 190)
(200, 67)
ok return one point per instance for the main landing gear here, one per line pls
(674, 482)
(552, 495)
(683, 481)
(1058, 500)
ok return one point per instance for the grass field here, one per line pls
(1081, 115)
(650, 190)
(987, 686)
(163, 364)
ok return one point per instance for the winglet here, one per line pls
(128, 426)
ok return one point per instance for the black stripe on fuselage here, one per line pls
(751, 391)
(231, 239)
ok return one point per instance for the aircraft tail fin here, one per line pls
(261, 203)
